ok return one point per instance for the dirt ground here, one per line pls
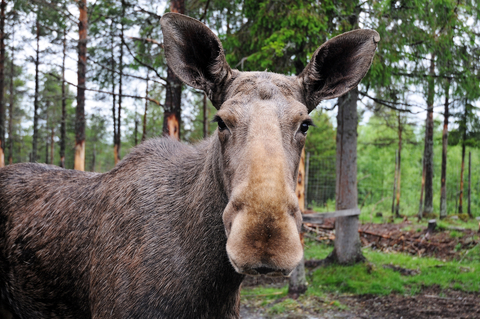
(406, 237)
(431, 303)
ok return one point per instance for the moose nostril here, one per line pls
(264, 270)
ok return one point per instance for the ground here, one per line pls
(449, 247)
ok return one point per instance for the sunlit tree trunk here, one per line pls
(173, 94)
(82, 69)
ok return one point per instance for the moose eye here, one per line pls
(221, 124)
(304, 126)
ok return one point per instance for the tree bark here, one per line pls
(347, 248)
(469, 210)
(462, 169)
(395, 183)
(63, 126)
(114, 104)
(120, 91)
(2, 83)
(428, 204)
(52, 144)
(399, 173)
(82, 69)
(12, 100)
(35, 101)
(297, 281)
(205, 116)
(144, 134)
(135, 130)
(173, 94)
(443, 186)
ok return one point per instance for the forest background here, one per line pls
(73, 71)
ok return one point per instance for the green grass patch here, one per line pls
(373, 278)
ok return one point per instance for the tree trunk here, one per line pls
(144, 134)
(347, 248)
(82, 69)
(469, 210)
(443, 186)
(135, 130)
(12, 100)
(428, 204)
(52, 144)
(114, 104)
(420, 208)
(297, 281)
(94, 158)
(399, 179)
(462, 169)
(35, 101)
(2, 83)
(173, 94)
(395, 183)
(205, 116)
(120, 91)
(63, 126)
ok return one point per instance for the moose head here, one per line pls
(263, 119)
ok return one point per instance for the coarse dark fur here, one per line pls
(145, 240)
(170, 231)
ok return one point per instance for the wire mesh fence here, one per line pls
(375, 185)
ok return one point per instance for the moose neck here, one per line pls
(200, 220)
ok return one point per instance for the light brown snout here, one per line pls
(264, 240)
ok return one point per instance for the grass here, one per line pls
(373, 278)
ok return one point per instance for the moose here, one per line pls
(172, 230)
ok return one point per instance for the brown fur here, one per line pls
(171, 230)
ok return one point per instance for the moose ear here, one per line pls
(338, 66)
(195, 54)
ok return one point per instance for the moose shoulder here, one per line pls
(171, 231)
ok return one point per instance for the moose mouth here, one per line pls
(261, 270)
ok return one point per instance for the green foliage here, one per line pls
(281, 35)
(321, 137)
